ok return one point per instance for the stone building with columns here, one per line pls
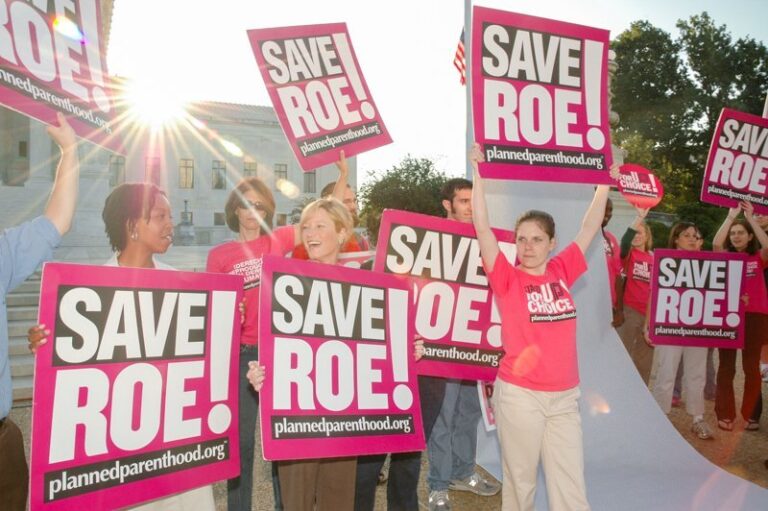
(197, 164)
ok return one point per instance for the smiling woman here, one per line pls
(138, 222)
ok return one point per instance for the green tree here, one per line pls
(669, 93)
(412, 185)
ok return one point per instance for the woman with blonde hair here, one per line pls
(325, 484)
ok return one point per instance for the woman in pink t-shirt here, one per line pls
(249, 211)
(536, 391)
(744, 235)
(634, 295)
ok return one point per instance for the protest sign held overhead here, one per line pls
(737, 167)
(317, 88)
(539, 98)
(455, 312)
(135, 394)
(639, 186)
(696, 299)
(337, 345)
(51, 61)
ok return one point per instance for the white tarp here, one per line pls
(635, 459)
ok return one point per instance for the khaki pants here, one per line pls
(694, 377)
(326, 484)
(631, 333)
(197, 499)
(14, 475)
(538, 425)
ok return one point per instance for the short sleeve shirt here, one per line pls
(244, 258)
(539, 321)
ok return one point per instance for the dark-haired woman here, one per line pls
(682, 236)
(744, 235)
(249, 211)
(138, 223)
(536, 392)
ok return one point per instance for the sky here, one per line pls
(199, 51)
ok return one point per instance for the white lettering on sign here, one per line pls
(29, 40)
(128, 326)
(317, 83)
(82, 396)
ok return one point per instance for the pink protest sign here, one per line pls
(337, 344)
(53, 62)
(639, 186)
(485, 394)
(539, 97)
(455, 311)
(696, 299)
(317, 88)
(135, 393)
(737, 166)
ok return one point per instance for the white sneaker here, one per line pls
(438, 500)
(701, 429)
(477, 484)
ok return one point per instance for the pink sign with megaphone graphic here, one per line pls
(639, 186)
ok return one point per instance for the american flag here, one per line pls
(458, 59)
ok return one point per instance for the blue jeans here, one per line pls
(240, 489)
(453, 443)
(404, 467)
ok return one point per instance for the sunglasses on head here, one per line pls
(258, 206)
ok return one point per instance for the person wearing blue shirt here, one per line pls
(22, 249)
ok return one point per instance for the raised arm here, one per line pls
(626, 240)
(718, 242)
(760, 234)
(63, 200)
(489, 245)
(593, 218)
(343, 181)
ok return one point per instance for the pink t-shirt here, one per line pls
(613, 260)
(637, 287)
(754, 284)
(538, 321)
(244, 258)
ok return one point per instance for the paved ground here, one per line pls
(741, 453)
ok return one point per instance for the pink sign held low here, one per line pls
(135, 394)
(696, 299)
(456, 314)
(737, 166)
(539, 97)
(317, 88)
(639, 186)
(337, 344)
(52, 61)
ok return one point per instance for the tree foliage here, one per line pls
(412, 185)
(669, 92)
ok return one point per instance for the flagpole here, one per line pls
(765, 108)
(468, 74)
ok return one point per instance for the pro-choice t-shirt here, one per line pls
(754, 284)
(244, 258)
(613, 261)
(637, 288)
(538, 321)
